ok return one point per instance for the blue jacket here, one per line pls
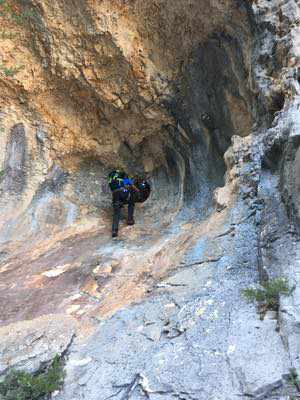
(125, 182)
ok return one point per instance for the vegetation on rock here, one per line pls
(10, 72)
(294, 378)
(19, 385)
(268, 293)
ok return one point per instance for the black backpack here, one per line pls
(144, 190)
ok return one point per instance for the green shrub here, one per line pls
(269, 293)
(252, 295)
(294, 378)
(20, 385)
(10, 72)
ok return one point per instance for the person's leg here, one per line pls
(117, 205)
(131, 200)
(130, 219)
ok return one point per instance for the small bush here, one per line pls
(269, 293)
(294, 378)
(252, 295)
(10, 72)
(20, 385)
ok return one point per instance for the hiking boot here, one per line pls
(114, 234)
(130, 222)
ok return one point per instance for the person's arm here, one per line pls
(129, 184)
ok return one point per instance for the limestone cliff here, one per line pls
(200, 96)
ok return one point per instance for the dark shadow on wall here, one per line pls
(14, 172)
(212, 103)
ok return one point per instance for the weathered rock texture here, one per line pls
(30, 345)
(105, 85)
(203, 98)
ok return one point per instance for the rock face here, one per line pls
(202, 97)
(32, 344)
(107, 85)
(14, 166)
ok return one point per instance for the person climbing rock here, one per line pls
(128, 191)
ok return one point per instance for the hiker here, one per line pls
(126, 191)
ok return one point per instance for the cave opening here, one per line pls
(212, 102)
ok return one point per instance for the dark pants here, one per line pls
(120, 197)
